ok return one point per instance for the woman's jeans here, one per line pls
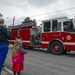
(3, 54)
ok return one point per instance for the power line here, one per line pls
(40, 20)
(53, 12)
(49, 12)
(56, 17)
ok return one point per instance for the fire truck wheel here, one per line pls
(56, 48)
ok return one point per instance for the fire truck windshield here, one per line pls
(73, 22)
(65, 25)
(69, 26)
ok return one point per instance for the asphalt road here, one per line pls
(38, 62)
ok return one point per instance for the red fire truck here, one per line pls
(57, 35)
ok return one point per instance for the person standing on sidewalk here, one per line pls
(4, 36)
(18, 57)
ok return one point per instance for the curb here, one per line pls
(8, 70)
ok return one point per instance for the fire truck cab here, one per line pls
(57, 35)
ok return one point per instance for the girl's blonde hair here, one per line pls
(18, 42)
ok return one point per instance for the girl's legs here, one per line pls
(18, 73)
(14, 72)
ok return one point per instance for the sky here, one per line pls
(35, 9)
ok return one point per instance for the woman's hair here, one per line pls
(1, 20)
(18, 42)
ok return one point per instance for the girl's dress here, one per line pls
(18, 61)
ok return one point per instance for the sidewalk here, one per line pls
(6, 71)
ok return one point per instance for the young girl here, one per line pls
(18, 57)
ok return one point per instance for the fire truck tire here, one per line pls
(56, 48)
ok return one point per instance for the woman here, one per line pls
(4, 36)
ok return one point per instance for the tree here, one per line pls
(28, 21)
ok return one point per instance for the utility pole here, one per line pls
(13, 20)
